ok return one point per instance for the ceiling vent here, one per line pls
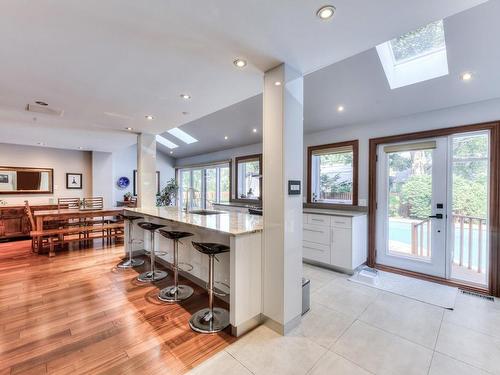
(44, 110)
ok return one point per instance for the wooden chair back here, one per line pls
(29, 214)
(94, 202)
(73, 203)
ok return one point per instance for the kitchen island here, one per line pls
(239, 271)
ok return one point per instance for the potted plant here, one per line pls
(127, 196)
(168, 194)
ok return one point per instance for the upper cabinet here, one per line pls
(332, 176)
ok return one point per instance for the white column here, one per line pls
(282, 161)
(146, 170)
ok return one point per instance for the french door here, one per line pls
(432, 206)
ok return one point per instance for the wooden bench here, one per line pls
(57, 236)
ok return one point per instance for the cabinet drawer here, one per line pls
(316, 252)
(319, 220)
(341, 221)
(317, 234)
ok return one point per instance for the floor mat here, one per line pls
(420, 290)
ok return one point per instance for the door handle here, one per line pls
(436, 216)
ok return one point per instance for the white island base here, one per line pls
(240, 269)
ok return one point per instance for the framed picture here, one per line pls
(4, 178)
(73, 180)
(157, 182)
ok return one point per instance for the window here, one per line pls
(205, 185)
(333, 173)
(416, 56)
(249, 177)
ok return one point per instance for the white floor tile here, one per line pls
(263, 351)
(381, 352)
(413, 320)
(322, 325)
(467, 345)
(221, 363)
(477, 314)
(345, 296)
(444, 365)
(331, 363)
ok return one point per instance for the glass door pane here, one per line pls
(211, 186)
(224, 184)
(410, 197)
(469, 222)
(197, 185)
(185, 185)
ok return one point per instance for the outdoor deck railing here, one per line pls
(470, 239)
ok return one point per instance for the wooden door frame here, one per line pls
(494, 204)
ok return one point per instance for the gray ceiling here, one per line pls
(360, 85)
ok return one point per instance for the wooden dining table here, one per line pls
(43, 216)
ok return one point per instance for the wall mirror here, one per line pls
(22, 180)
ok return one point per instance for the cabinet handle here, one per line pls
(311, 248)
(320, 220)
(314, 231)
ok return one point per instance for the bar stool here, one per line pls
(131, 262)
(152, 274)
(176, 292)
(212, 319)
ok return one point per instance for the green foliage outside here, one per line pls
(330, 183)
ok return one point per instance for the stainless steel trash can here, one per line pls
(306, 290)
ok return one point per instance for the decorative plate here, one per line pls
(123, 182)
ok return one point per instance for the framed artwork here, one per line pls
(4, 178)
(73, 180)
(157, 182)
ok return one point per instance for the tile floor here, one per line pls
(355, 329)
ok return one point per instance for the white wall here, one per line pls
(124, 163)
(102, 180)
(61, 161)
(461, 115)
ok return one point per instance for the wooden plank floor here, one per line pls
(76, 313)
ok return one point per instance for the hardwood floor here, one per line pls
(76, 313)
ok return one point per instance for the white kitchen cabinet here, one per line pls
(336, 241)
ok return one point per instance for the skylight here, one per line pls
(182, 135)
(416, 56)
(165, 142)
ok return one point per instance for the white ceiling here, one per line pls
(132, 58)
(360, 85)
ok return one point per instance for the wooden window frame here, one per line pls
(355, 170)
(236, 161)
(494, 204)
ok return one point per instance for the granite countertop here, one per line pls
(239, 204)
(232, 223)
(322, 211)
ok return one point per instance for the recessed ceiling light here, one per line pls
(255, 130)
(129, 128)
(326, 12)
(42, 103)
(226, 137)
(277, 83)
(467, 76)
(149, 117)
(340, 108)
(240, 63)
(185, 96)
(171, 152)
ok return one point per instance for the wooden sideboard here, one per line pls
(14, 223)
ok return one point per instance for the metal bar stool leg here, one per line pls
(153, 274)
(176, 292)
(131, 262)
(211, 319)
